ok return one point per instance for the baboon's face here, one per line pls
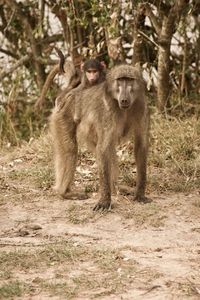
(125, 91)
(92, 76)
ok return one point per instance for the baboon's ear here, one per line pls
(138, 68)
(103, 64)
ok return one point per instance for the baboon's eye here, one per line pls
(128, 80)
(117, 84)
(131, 84)
(131, 80)
(117, 89)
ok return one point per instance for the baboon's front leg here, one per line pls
(105, 179)
(140, 150)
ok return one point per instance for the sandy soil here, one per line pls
(133, 251)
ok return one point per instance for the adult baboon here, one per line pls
(111, 111)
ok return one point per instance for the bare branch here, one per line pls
(154, 19)
(13, 68)
(147, 38)
(9, 53)
(160, 5)
(25, 18)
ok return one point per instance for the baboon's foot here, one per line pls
(142, 199)
(75, 195)
(125, 190)
(102, 205)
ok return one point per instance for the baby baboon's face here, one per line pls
(92, 76)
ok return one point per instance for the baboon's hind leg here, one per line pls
(66, 151)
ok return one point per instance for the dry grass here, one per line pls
(174, 157)
(79, 268)
(174, 153)
(12, 289)
(173, 165)
(152, 215)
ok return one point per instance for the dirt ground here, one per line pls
(52, 248)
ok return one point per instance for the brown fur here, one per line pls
(84, 84)
(109, 112)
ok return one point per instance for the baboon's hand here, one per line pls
(142, 199)
(102, 205)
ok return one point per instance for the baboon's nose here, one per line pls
(124, 103)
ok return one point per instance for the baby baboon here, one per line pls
(91, 73)
(111, 111)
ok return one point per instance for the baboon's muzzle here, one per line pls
(124, 103)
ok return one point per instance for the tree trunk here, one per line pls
(168, 27)
(163, 90)
(165, 25)
(137, 39)
(35, 46)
